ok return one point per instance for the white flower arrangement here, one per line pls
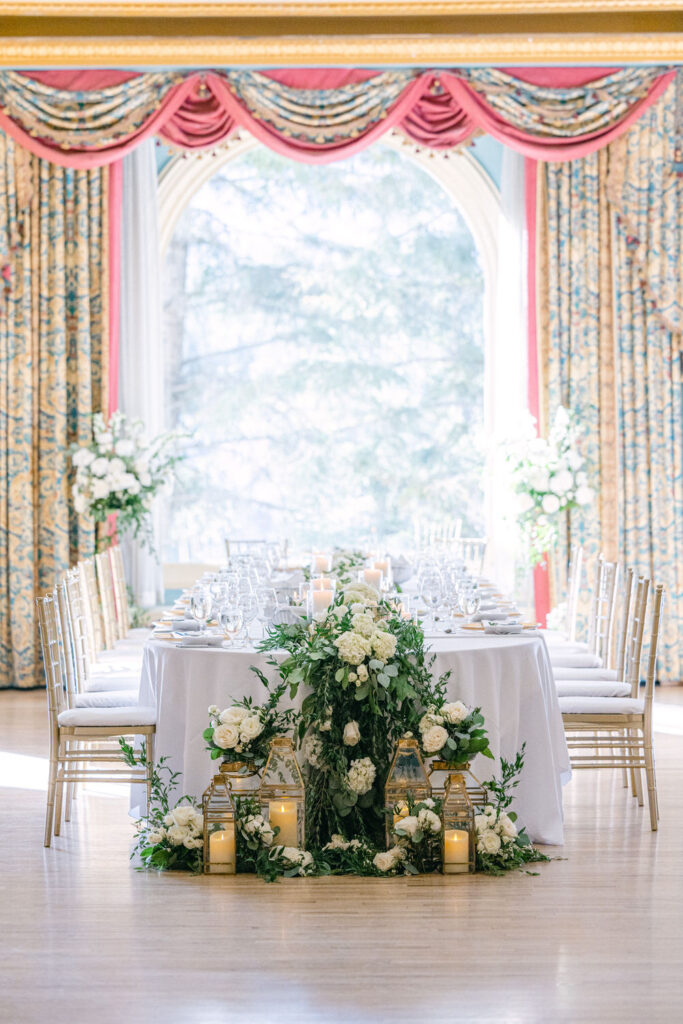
(120, 472)
(452, 731)
(549, 477)
(243, 731)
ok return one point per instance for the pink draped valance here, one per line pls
(90, 118)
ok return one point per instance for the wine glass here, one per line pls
(266, 599)
(231, 619)
(200, 606)
(250, 607)
(471, 600)
(431, 591)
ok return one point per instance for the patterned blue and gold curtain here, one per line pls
(610, 285)
(53, 360)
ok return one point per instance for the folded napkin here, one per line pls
(210, 640)
(502, 628)
(487, 606)
(490, 616)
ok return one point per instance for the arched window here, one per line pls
(325, 331)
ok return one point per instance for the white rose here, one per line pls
(551, 504)
(100, 489)
(293, 855)
(525, 502)
(488, 842)
(428, 821)
(455, 713)
(183, 815)
(306, 859)
(100, 466)
(251, 727)
(585, 495)
(145, 478)
(507, 827)
(407, 825)
(574, 460)
(226, 735)
(214, 709)
(83, 457)
(233, 715)
(117, 466)
(155, 837)
(176, 835)
(104, 437)
(124, 447)
(351, 734)
(481, 822)
(562, 482)
(538, 478)
(80, 504)
(434, 739)
(193, 842)
(362, 673)
(384, 861)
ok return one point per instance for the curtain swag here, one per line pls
(320, 115)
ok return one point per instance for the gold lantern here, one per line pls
(282, 793)
(458, 836)
(407, 777)
(219, 827)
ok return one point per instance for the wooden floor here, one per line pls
(596, 937)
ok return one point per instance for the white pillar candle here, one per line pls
(456, 857)
(384, 564)
(222, 849)
(323, 583)
(321, 601)
(321, 562)
(373, 577)
(283, 813)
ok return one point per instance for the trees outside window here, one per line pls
(325, 355)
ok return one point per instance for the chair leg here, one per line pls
(636, 773)
(149, 760)
(651, 786)
(58, 806)
(50, 807)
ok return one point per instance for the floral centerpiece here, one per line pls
(369, 677)
(243, 731)
(119, 472)
(549, 477)
(452, 732)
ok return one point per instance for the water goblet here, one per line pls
(200, 606)
(230, 618)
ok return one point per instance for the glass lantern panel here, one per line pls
(281, 776)
(407, 775)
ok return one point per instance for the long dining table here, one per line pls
(509, 677)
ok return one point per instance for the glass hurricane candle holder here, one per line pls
(318, 603)
(407, 778)
(219, 827)
(282, 793)
(458, 837)
(321, 563)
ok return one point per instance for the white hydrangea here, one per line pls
(383, 645)
(361, 775)
(434, 739)
(353, 648)
(362, 673)
(363, 623)
(360, 593)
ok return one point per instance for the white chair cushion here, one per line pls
(114, 718)
(588, 688)
(601, 706)
(139, 635)
(560, 660)
(107, 699)
(106, 683)
(558, 643)
(584, 673)
(119, 661)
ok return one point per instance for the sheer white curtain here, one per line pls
(141, 375)
(507, 397)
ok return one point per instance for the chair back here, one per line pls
(574, 588)
(91, 607)
(245, 547)
(625, 622)
(105, 586)
(601, 625)
(472, 550)
(654, 643)
(65, 639)
(446, 532)
(634, 641)
(78, 626)
(52, 661)
(120, 592)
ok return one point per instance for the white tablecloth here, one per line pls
(509, 677)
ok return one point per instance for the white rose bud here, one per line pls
(351, 734)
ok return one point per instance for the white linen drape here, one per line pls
(141, 376)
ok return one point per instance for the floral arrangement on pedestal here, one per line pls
(119, 472)
(243, 731)
(550, 479)
(452, 732)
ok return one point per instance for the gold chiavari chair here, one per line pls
(598, 651)
(105, 589)
(112, 672)
(87, 581)
(574, 589)
(616, 732)
(472, 551)
(70, 728)
(126, 636)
